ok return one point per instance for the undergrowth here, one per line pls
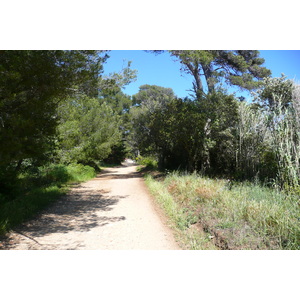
(148, 163)
(35, 189)
(234, 215)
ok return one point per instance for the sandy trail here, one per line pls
(113, 211)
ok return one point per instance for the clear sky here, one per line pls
(162, 70)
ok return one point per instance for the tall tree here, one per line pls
(242, 68)
(153, 96)
(87, 130)
(146, 102)
(32, 83)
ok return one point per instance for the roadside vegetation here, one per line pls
(236, 162)
(231, 215)
(60, 120)
(35, 189)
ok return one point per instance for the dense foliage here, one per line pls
(55, 107)
(220, 135)
(87, 130)
(209, 68)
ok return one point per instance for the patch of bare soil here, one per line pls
(113, 211)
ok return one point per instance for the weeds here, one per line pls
(240, 215)
(181, 219)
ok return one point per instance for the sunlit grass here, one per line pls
(242, 215)
(179, 217)
(38, 191)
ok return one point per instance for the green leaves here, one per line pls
(87, 130)
(32, 83)
(237, 67)
(273, 91)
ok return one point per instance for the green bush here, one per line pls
(56, 174)
(148, 162)
(79, 172)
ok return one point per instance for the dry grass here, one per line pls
(239, 216)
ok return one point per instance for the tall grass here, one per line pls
(237, 215)
(286, 140)
(180, 218)
(37, 189)
(268, 139)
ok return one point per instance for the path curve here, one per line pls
(114, 211)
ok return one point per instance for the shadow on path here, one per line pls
(76, 211)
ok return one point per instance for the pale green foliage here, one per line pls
(153, 97)
(273, 91)
(87, 130)
(148, 161)
(268, 135)
(286, 140)
(253, 140)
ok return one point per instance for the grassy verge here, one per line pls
(36, 190)
(233, 216)
(180, 219)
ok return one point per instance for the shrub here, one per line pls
(148, 162)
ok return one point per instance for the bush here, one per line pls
(79, 172)
(56, 174)
(148, 162)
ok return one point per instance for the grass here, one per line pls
(180, 219)
(233, 215)
(36, 190)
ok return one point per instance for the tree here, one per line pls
(189, 134)
(111, 94)
(153, 96)
(113, 84)
(146, 103)
(273, 91)
(242, 68)
(87, 131)
(32, 83)
(220, 112)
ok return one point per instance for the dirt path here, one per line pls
(113, 211)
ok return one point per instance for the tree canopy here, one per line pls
(32, 83)
(242, 68)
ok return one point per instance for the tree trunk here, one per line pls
(207, 69)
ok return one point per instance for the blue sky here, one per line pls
(162, 70)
